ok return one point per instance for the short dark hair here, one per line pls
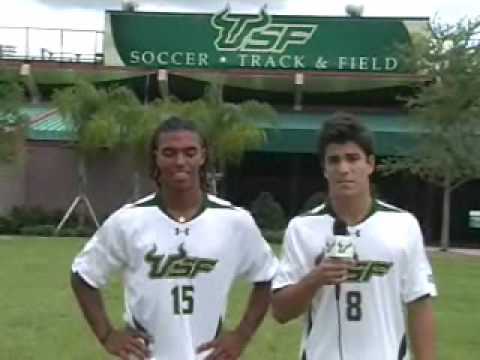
(173, 124)
(341, 128)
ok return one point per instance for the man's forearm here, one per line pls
(93, 309)
(421, 328)
(257, 307)
(292, 301)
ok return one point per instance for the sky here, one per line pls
(89, 15)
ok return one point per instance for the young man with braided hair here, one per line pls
(354, 309)
(179, 252)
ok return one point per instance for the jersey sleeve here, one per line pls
(293, 265)
(418, 277)
(258, 264)
(103, 254)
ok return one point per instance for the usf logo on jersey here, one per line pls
(363, 271)
(178, 265)
(340, 247)
(257, 33)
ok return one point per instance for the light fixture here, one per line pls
(162, 75)
(25, 69)
(298, 79)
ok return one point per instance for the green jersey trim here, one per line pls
(206, 203)
(220, 204)
(382, 206)
(316, 211)
(327, 209)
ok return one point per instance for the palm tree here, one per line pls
(137, 122)
(230, 129)
(112, 120)
(90, 115)
(12, 121)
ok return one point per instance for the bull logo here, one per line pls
(178, 265)
(257, 33)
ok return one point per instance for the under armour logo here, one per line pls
(185, 231)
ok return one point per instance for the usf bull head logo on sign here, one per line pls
(257, 33)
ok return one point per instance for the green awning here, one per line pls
(50, 127)
(292, 133)
(298, 132)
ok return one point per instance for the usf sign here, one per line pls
(258, 34)
(262, 41)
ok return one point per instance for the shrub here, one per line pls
(38, 230)
(273, 236)
(8, 226)
(313, 201)
(29, 216)
(79, 231)
(267, 212)
(21, 217)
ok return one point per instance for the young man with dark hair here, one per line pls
(354, 307)
(179, 252)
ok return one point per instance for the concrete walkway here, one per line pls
(461, 251)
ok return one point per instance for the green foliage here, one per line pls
(8, 226)
(107, 119)
(229, 129)
(34, 221)
(11, 100)
(267, 212)
(12, 121)
(313, 200)
(78, 104)
(447, 109)
(101, 118)
(77, 231)
(38, 230)
(273, 236)
(34, 215)
(137, 125)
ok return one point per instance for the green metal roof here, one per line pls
(51, 127)
(34, 111)
(30, 112)
(292, 133)
(298, 132)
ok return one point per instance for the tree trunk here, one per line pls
(294, 180)
(221, 180)
(212, 182)
(445, 236)
(429, 222)
(136, 186)
(212, 173)
(82, 186)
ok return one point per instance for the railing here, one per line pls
(49, 44)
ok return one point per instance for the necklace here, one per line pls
(181, 219)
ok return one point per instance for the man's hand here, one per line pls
(126, 345)
(294, 300)
(330, 272)
(228, 347)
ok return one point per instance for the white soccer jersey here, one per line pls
(177, 275)
(392, 271)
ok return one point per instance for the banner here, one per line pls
(266, 42)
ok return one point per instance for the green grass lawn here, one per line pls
(40, 319)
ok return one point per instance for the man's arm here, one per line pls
(232, 344)
(421, 328)
(116, 342)
(291, 301)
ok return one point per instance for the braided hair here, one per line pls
(173, 124)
